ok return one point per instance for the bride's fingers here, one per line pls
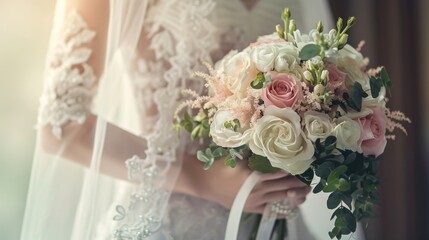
(272, 176)
(280, 184)
(298, 194)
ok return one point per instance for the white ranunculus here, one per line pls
(226, 137)
(317, 125)
(347, 133)
(287, 58)
(264, 56)
(279, 137)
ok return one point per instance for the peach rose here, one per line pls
(285, 90)
(373, 132)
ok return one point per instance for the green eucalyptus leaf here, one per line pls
(324, 169)
(385, 78)
(187, 125)
(347, 199)
(309, 51)
(195, 132)
(319, 187)
(306, 177)
(218, 153)
(256, 84)
(375, 85)
(208, 162)
(268, 80)
(230, 161)
(330, 143)
(343, 185)
(261, 164)
(209, 153)
(336, 173)
(334, 200)
(350, 158)
(236, 154)
(357, 94)
(332, 186)
(188, 117)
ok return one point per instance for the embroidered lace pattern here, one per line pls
(181, 38)
(70, 87)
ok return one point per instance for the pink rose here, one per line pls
(285, 90)
(373, 132)
(336, 77)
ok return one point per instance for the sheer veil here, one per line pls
(107, 159)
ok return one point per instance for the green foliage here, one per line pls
(309, 51)
(261, 164)
(351, 181)
(259, 82)
(377, 82)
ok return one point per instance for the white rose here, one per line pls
(349, 61)
(347, 133)
(317, 125)
(287, 58)
(264, 56)
(279, 137)
(239, 72)
(221, 64)
(226, 137)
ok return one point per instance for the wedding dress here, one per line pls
(107, 159)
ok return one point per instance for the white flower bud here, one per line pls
(325, 75)
(308, 76)
(344, 39)
(319, 89)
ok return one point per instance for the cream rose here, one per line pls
(317, 125)
(347, 133)
(279, 137)
(240, 72)
(349, 61)
(226, 137)
(264, 56)
(287, 58)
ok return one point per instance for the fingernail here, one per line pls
(291, 193)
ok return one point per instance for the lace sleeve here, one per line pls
(75, 57)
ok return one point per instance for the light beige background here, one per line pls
(24, 32)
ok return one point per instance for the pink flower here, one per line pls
(373, 132)
(285, 90)
(336, 77)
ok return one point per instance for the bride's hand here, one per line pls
(276, 187)
(221, 184)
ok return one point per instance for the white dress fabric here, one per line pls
(107, 159)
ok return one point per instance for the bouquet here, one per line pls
(306, 104)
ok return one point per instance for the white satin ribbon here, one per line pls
(238, 206)
(267, 223)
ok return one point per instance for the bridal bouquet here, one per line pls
(306, 104)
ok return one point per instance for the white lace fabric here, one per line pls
(71, 80)
(153, 48)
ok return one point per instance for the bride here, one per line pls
(108, 164)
